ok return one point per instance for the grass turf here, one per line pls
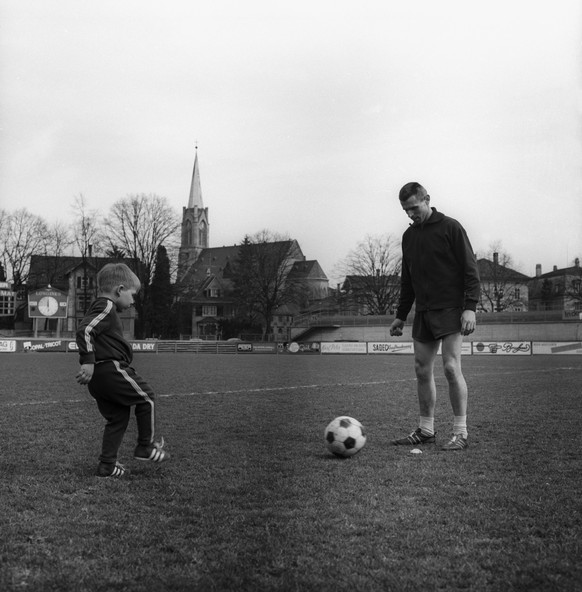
(252, 500)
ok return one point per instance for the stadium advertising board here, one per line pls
(344, 347)
(7, 345)
(553, 347)
(256, 348)
(42, 345)
(312, 347)
(144, 346)
(502, 348)
(390, 347)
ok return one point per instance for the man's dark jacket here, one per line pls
(439, 269)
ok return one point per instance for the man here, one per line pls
(439, 272)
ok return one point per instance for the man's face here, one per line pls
(417, 208)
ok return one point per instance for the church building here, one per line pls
(204, 281)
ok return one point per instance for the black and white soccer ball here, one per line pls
(345, 436)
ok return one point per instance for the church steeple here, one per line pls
(195, 226)
(195, 188)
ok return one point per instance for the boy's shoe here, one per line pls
(111, 470)
(417, 437)
(154, 452)
(457, 442)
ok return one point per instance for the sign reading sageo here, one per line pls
(390, 347)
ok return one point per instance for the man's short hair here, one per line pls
(116, 274)
(410, 190)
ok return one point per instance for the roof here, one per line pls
(575, 270)
(54, 270)
(307, 270)
(489, 270)
(211, 261)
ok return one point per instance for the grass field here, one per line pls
(251, 499)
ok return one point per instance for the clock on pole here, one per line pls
(47, 303)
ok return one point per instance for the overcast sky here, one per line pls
(309, 115)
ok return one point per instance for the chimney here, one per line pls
(495, 258)
(555, 268)
(577, 262)
(538, 270)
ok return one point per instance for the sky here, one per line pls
(308, 116)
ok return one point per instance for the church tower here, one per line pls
(195, 226)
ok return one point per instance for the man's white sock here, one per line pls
(460, 425)
(427, 425)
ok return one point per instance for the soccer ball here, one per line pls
(345, 436)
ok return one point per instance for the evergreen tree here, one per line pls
(161, 296)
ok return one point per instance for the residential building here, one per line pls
(502, 288)
(559, 289)
(76, 277)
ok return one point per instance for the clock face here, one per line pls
(47, 306)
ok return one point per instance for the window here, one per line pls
(84, 282)
(83, 302)
(577, 286)
(517, 293)
(209, 311)
(7, 303)
(203, 235)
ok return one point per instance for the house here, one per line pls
(559, 289)
(76, 277)
(502, 288)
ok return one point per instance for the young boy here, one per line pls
(105, 357)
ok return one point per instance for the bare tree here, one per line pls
(88, 238)
(138, 225)
(22, 234)
(261, 276)
(372, 273)
(88, 228)
(56, 243)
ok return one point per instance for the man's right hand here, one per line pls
(396, 327)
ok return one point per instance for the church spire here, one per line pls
(195, 188)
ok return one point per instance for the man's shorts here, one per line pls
(432, 325)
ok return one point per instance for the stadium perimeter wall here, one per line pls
(380, 346)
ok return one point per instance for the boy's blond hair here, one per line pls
(117, 274)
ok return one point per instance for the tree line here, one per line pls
(145, 230)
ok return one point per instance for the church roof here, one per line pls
(212, 261)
